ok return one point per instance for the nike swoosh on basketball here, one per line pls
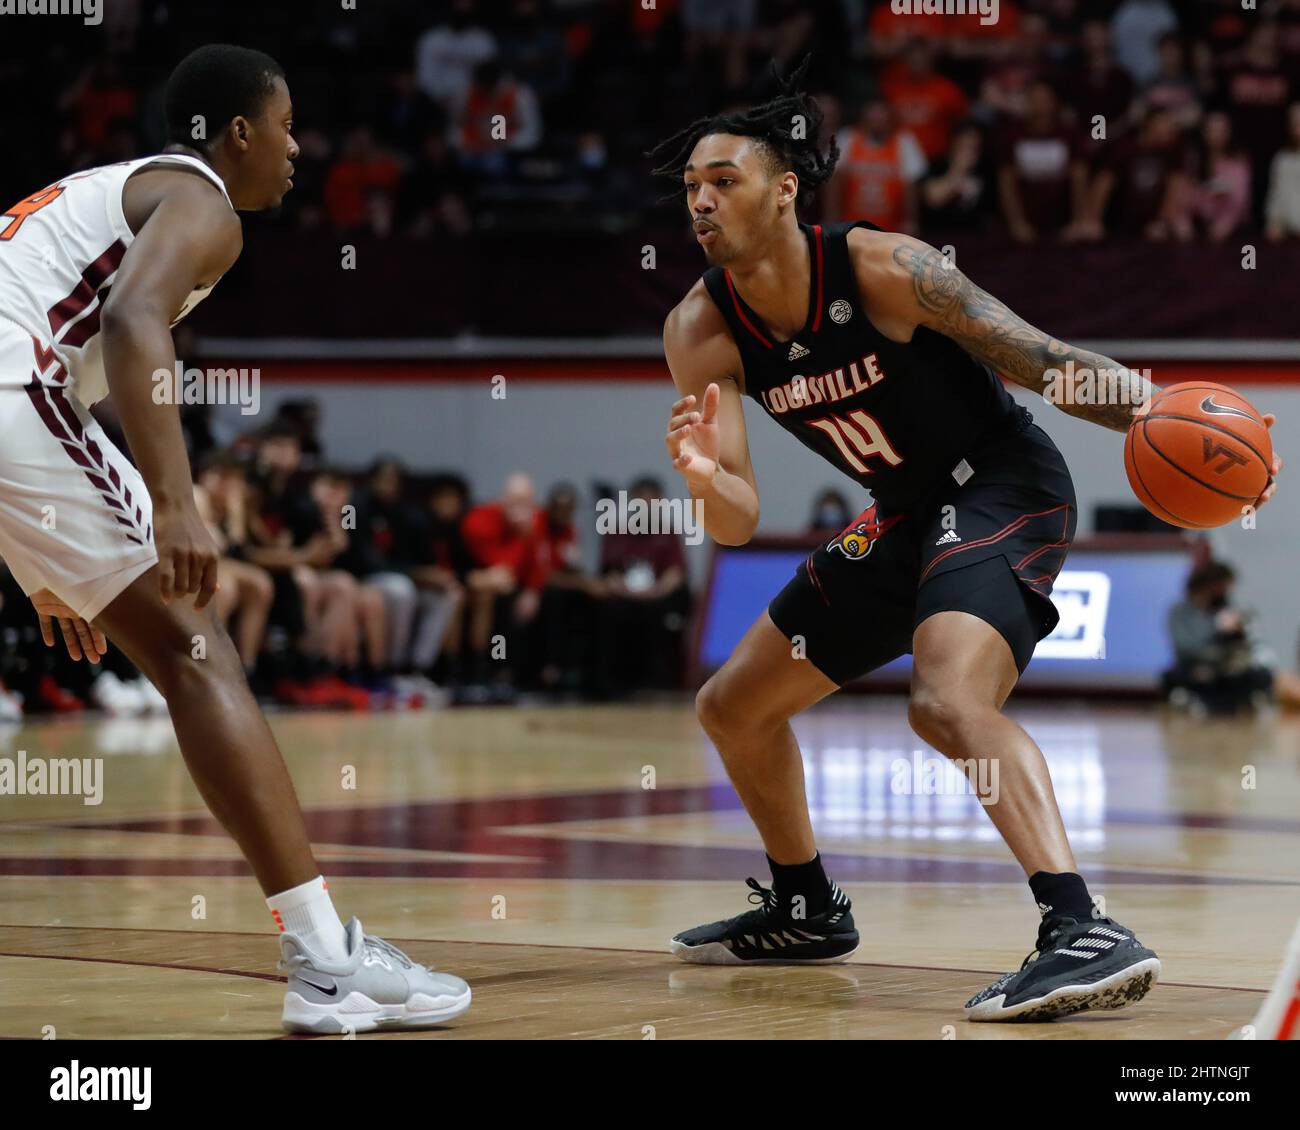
(1208, 405)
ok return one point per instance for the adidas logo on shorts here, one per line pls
(949, 538)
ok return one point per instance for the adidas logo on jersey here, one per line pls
(797, 351)
(949, 538)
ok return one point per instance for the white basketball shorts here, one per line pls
(75, 517)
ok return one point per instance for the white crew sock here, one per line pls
(306, 910)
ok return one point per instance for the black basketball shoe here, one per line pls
(771, 935)
(1079, 964)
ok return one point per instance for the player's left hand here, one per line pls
(81, 639)
(1271, 486)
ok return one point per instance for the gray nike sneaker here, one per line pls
(378, 986)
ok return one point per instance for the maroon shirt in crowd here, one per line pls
(1042, 160)
(1142, 173)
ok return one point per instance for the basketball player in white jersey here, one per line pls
(95, 269)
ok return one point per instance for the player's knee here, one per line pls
(939, 717)
(711, 706)
(725, 710)
(193, 663)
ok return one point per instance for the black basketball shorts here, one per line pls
(991, 546)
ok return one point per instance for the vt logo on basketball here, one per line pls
(1212, 449)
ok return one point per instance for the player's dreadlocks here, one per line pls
(787, 127)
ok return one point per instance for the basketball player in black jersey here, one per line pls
(882, 357)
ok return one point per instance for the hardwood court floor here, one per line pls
(522, 849)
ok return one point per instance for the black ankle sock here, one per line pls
(1063, 893)
(806, 879)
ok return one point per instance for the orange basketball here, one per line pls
(1199, 455)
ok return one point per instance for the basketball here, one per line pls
(1200, 454)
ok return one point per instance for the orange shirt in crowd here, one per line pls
(348, 183)
(928, 107)
(481, 107)
(873, 177)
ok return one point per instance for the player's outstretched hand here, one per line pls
(187, 555)
(693, 439)
(81, 639)
(1275, 470)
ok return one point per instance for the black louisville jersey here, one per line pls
(895, 417)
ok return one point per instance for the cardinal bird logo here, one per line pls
(856, 541)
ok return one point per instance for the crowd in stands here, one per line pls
(392, 590)
(1063, 120)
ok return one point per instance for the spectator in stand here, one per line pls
(500, 116)
(302, 418)
(1282, 209)
(1222, 25)
(567, 609)
(533, 48)
(311, 169)
(1004, 91)
(790, 29)
(877, 174)
(446, 55)
(244, 590)
(889, 32)
(830, 513)
(1144, 187)
(1257, 94)
(721, 28)
(1042, 178)
(353, 620)
(1137, 27)
(1220, 194)
(384, 547)
(442, 564)
(925, 103)
(362, 169)
(645, 604)
(101, 97)
(504, 587)
(405, 114)
(290, 541)
(1062, 17)
(956, 195)
(435, 192)
(1097, 87)
(1173, 88)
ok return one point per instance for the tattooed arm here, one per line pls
(912, 285)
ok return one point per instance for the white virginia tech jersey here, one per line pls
(59, 253)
